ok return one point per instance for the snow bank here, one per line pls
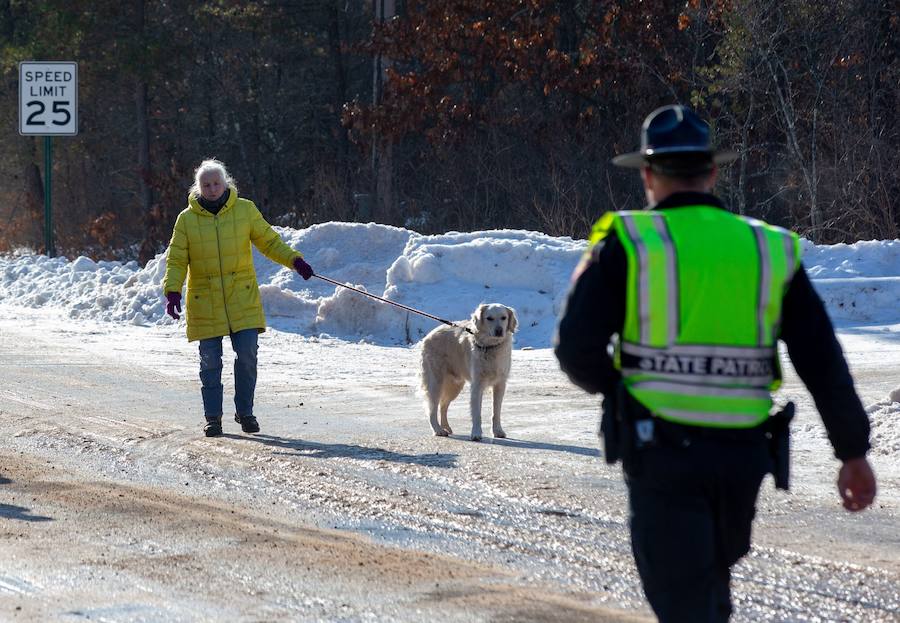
(445, 275)
(83, 288)
(450, 274)
(858, 282)
(884, 418)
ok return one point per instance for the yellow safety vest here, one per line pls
(702, 312)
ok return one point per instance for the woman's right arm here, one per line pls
(178, 258)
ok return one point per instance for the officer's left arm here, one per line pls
(817, 356)
(268, 241)
(594, 311)
(818, 359)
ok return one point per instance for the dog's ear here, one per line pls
(478, 315)
(512, 322)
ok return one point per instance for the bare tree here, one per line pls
(382, 149)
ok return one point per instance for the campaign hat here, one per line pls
(672, 131)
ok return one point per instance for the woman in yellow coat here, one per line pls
(210, 247)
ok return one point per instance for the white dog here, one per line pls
(452, 355)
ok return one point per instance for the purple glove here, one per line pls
(174, 304)
(303, 268)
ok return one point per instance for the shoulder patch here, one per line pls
(601, 228)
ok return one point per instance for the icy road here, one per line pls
(114, 507)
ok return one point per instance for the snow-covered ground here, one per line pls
(99, 379)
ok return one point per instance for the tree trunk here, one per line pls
(145, 191)
(340, 92)
(144, 167)
(33, 193)
(382, 150)
(744, 155)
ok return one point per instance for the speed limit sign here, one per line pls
(48, 98)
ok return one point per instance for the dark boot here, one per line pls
(213, 427)
(248, 423)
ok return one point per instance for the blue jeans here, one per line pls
(245, 345)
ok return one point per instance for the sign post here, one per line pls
(48, 107)
(48, 200)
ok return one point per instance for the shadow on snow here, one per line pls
(538, 445)
(342, 450)
(8, 511)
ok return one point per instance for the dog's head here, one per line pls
(494, 322)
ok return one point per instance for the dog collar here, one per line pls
(484, 347)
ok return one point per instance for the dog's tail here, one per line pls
(424, 372)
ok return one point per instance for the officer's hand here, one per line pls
(856, 484)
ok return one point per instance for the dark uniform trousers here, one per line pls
(692, 499)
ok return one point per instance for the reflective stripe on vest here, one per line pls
(698, 345)
(657, 283)
(774, 263)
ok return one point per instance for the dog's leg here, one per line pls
(444, 424)
(475, 407)
(433, 396)
(451, 391)
(497, 393)
(439, 431)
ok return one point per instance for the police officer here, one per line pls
(693, 300)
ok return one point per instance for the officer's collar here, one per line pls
(681, 199)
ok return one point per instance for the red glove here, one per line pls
(174, 304)
(303, 268)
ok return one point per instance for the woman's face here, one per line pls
(212, 185)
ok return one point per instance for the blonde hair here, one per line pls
(207, 166)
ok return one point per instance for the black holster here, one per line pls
(620, 412)
(778, 435)
(612, 425)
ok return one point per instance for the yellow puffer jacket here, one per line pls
(214, 253)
